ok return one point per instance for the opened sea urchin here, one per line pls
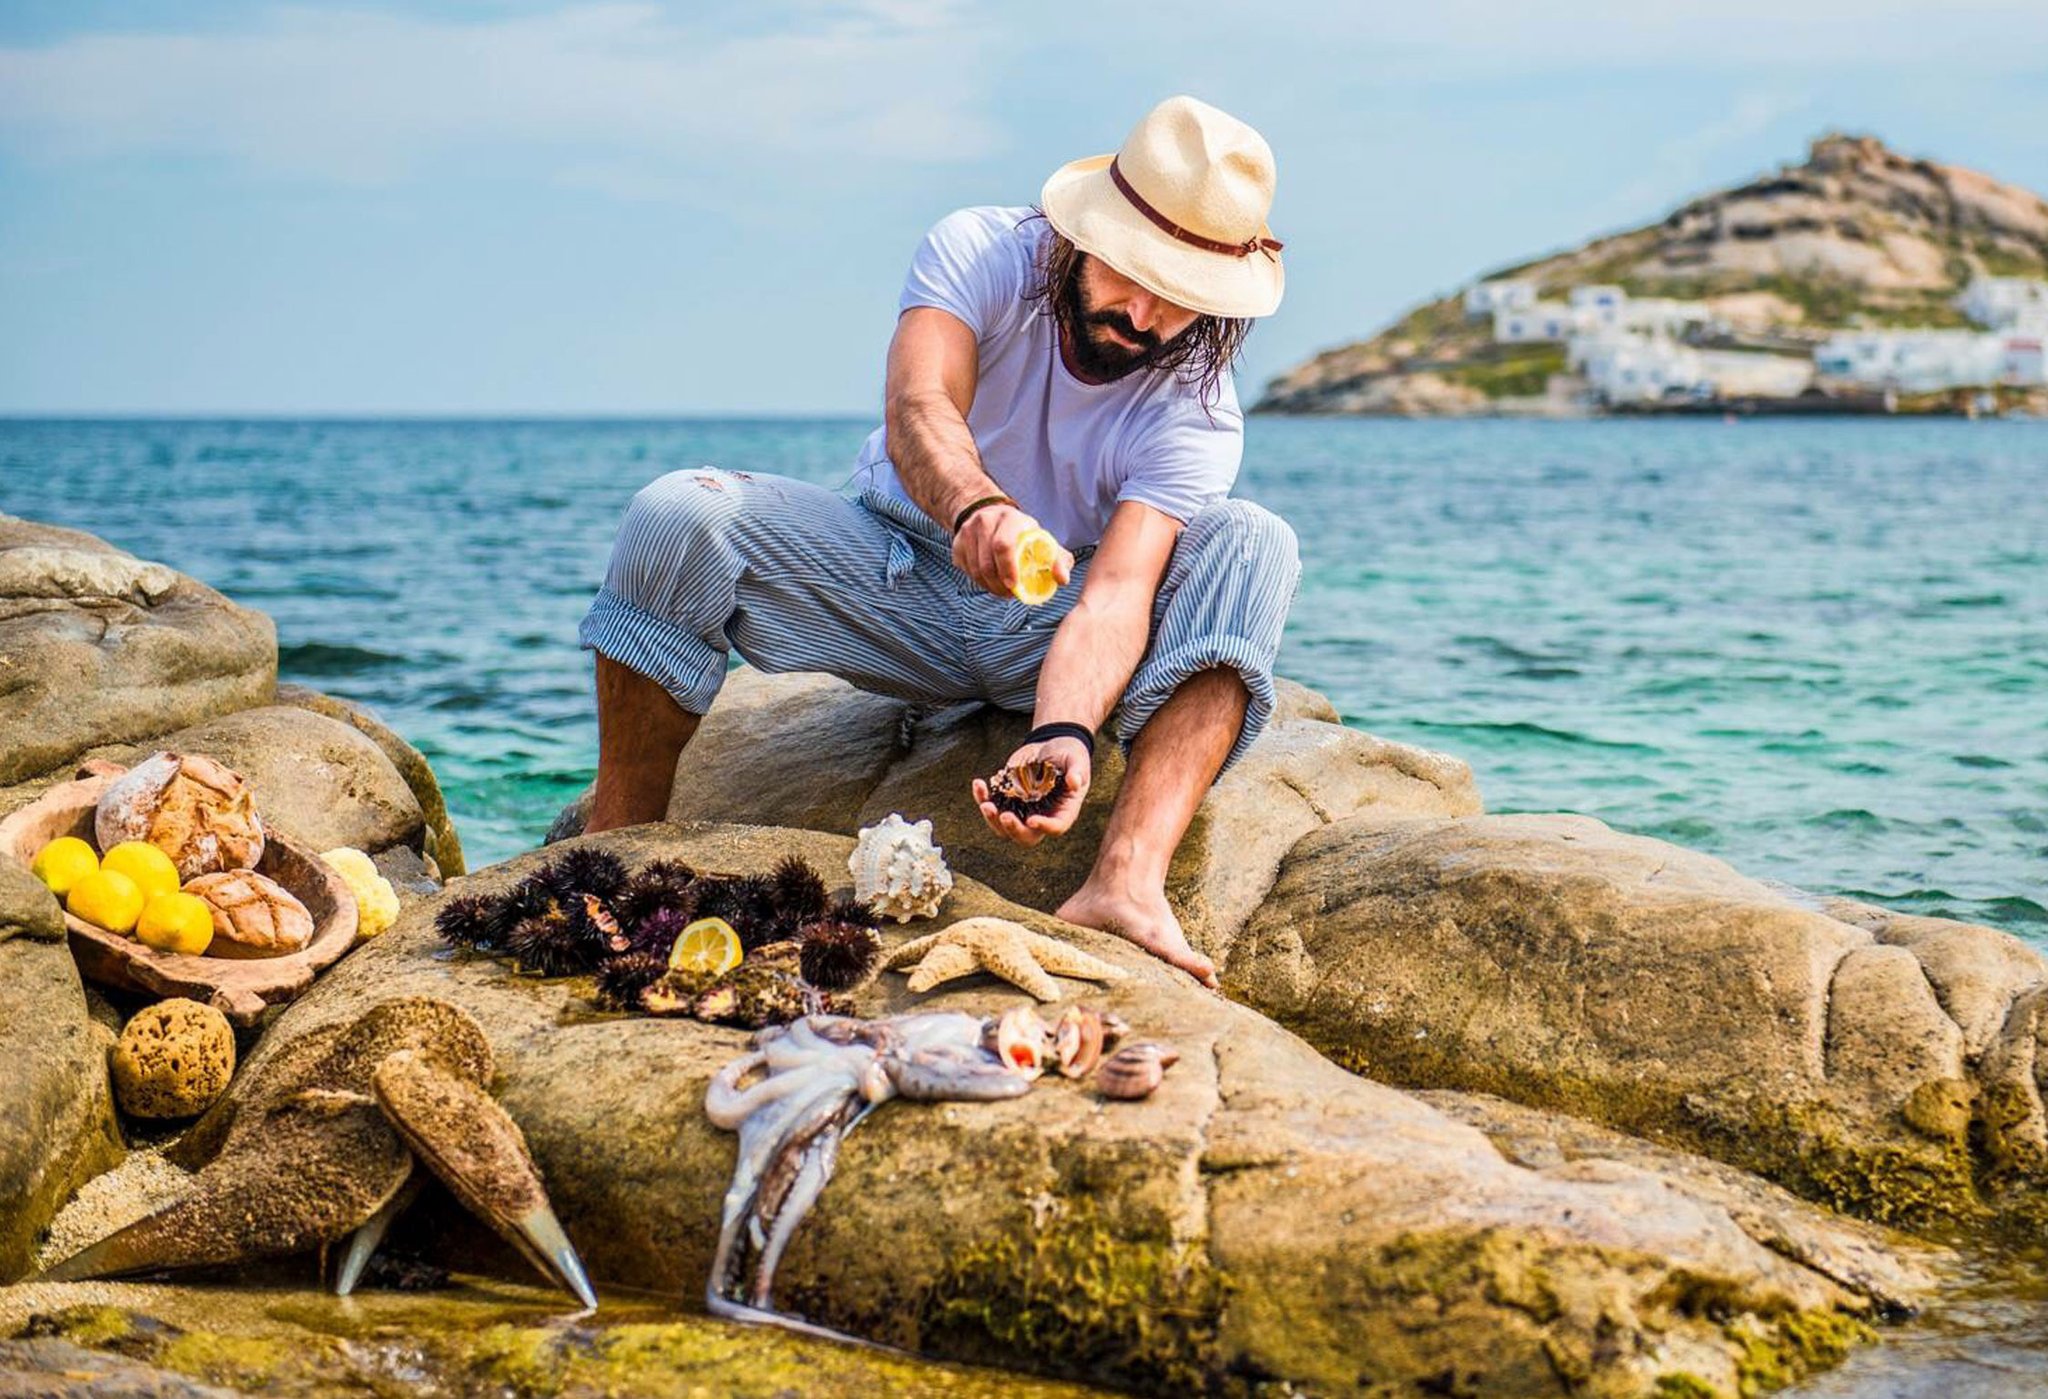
(1027, 790)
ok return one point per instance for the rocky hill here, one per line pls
(1857, 235)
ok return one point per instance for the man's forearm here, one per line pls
(1093, 656)
(935, 456)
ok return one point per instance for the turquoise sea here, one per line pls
(1818, 649)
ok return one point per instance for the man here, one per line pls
(1066, 367)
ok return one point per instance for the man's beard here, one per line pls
(1104, 359)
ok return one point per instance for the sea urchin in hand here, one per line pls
(1028, 790)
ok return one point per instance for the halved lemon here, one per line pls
(708, 946)
(1036, 551)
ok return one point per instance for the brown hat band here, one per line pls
(1268, 246)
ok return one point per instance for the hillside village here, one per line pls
(1860, 281)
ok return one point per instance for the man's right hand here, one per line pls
(985, 549)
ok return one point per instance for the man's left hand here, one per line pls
(1072, 758)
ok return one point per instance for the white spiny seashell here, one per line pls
(897, 871)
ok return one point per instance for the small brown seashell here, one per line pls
(1135, 1070)
(1020, 1041)
(1078, 1041)
(195, 810)
(1027, 790)
(253, 915)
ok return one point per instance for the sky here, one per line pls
(471, 207)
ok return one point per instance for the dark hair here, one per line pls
(1199, 356)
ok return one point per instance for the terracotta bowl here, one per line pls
(239, 988)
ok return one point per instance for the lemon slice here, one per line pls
(1036, 551)
(709, 946)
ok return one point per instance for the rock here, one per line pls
(51, 1368)
(319, 781)
(99, 647)
(140, 1341)
(27, 908)
(1553, 961)
(811, 751)
(443, 846)
(57, 1125)
(1264, 1213)
(173, 1059)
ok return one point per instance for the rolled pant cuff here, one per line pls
(1160, 676)
(673, 657)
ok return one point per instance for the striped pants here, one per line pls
(795, 577)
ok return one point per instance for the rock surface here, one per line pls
(477, 1337)
(27, 909)
(57, 1125)
(1264, 1215)
(99, 647)
(812, 752)
(1885, 1066)
(320, 781)
(441, 843)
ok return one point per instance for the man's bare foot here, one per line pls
(1145, 919)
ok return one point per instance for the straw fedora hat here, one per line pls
(1180, 210)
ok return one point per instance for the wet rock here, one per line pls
(1553, 961)
(56, 1114)
(1263, 1213)
(320, 781)
(99, 647)
(812, 752)
(137, 1340)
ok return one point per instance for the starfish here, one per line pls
(1025, 959)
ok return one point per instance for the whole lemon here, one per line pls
(63, 862)
(176, 922)
(153, 871)
(108, 899)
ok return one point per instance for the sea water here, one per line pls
(1817, 649)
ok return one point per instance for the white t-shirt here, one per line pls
(1065, 450)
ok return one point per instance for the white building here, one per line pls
(1597, 305)
(1928, 361)
(2006, 303)
(1503, 294)
(1539, 321)
(1747, 374)
(1661, 315)
(1624, 368)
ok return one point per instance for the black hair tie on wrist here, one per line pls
(1045, 733)
(982, 504)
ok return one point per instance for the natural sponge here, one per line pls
(376, 900)
(173, 1059)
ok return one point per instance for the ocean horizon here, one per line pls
(1816, 649)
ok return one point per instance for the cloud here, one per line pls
(628, 89)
